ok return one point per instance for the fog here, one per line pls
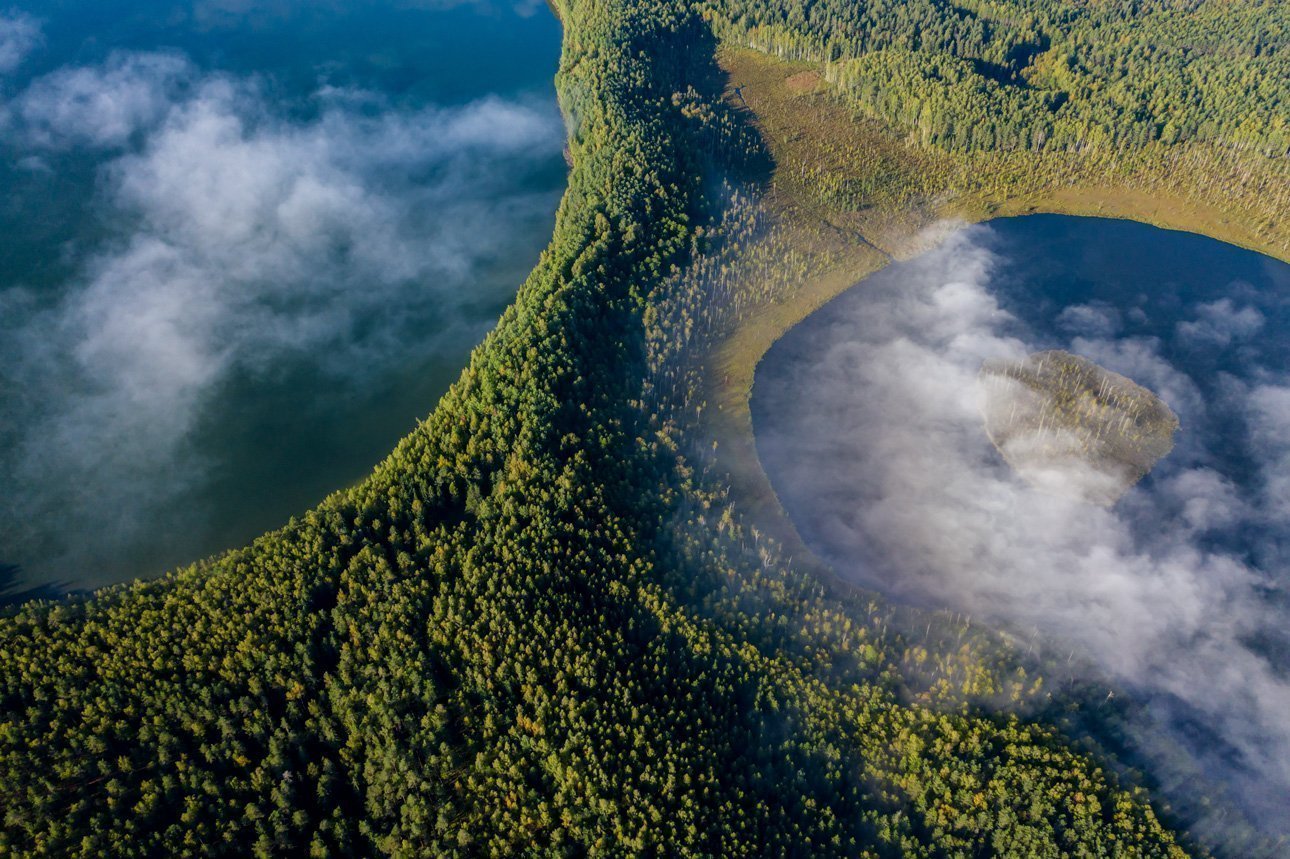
(19, 36)
(1177, 593)
(235, 240)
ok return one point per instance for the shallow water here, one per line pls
(247, 246)
(868, 421)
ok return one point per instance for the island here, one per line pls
(1072, 428)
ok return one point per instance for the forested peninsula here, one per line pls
(565, 616)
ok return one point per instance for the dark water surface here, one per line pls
(868, 422)
(244, 246)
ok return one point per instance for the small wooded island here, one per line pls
(1070, 427)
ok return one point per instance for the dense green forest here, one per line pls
(539, 627)
(1036, 74)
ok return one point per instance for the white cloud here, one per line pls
(244, 239)
(20, 35)
(1090, 320)
(888, 470)
(1269, 414)
(1219, 322)
(101, 106)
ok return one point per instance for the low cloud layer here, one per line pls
(237, 240)
(100, 107)
(1178, 592)
(19, 36)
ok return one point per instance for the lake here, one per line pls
(868, 422)
(247, 246)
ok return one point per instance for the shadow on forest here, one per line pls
(730, 146)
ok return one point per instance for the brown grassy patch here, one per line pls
(803, 82)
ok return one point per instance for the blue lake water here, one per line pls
(246, 246)
(869, 425)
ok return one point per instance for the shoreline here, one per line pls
(729, 367)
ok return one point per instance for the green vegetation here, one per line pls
(542, 625)
(861, 174)
(1043, 74)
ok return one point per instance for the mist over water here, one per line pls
(869, 423)
(247, 246)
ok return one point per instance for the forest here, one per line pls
(1041, 74)
(540, 626)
